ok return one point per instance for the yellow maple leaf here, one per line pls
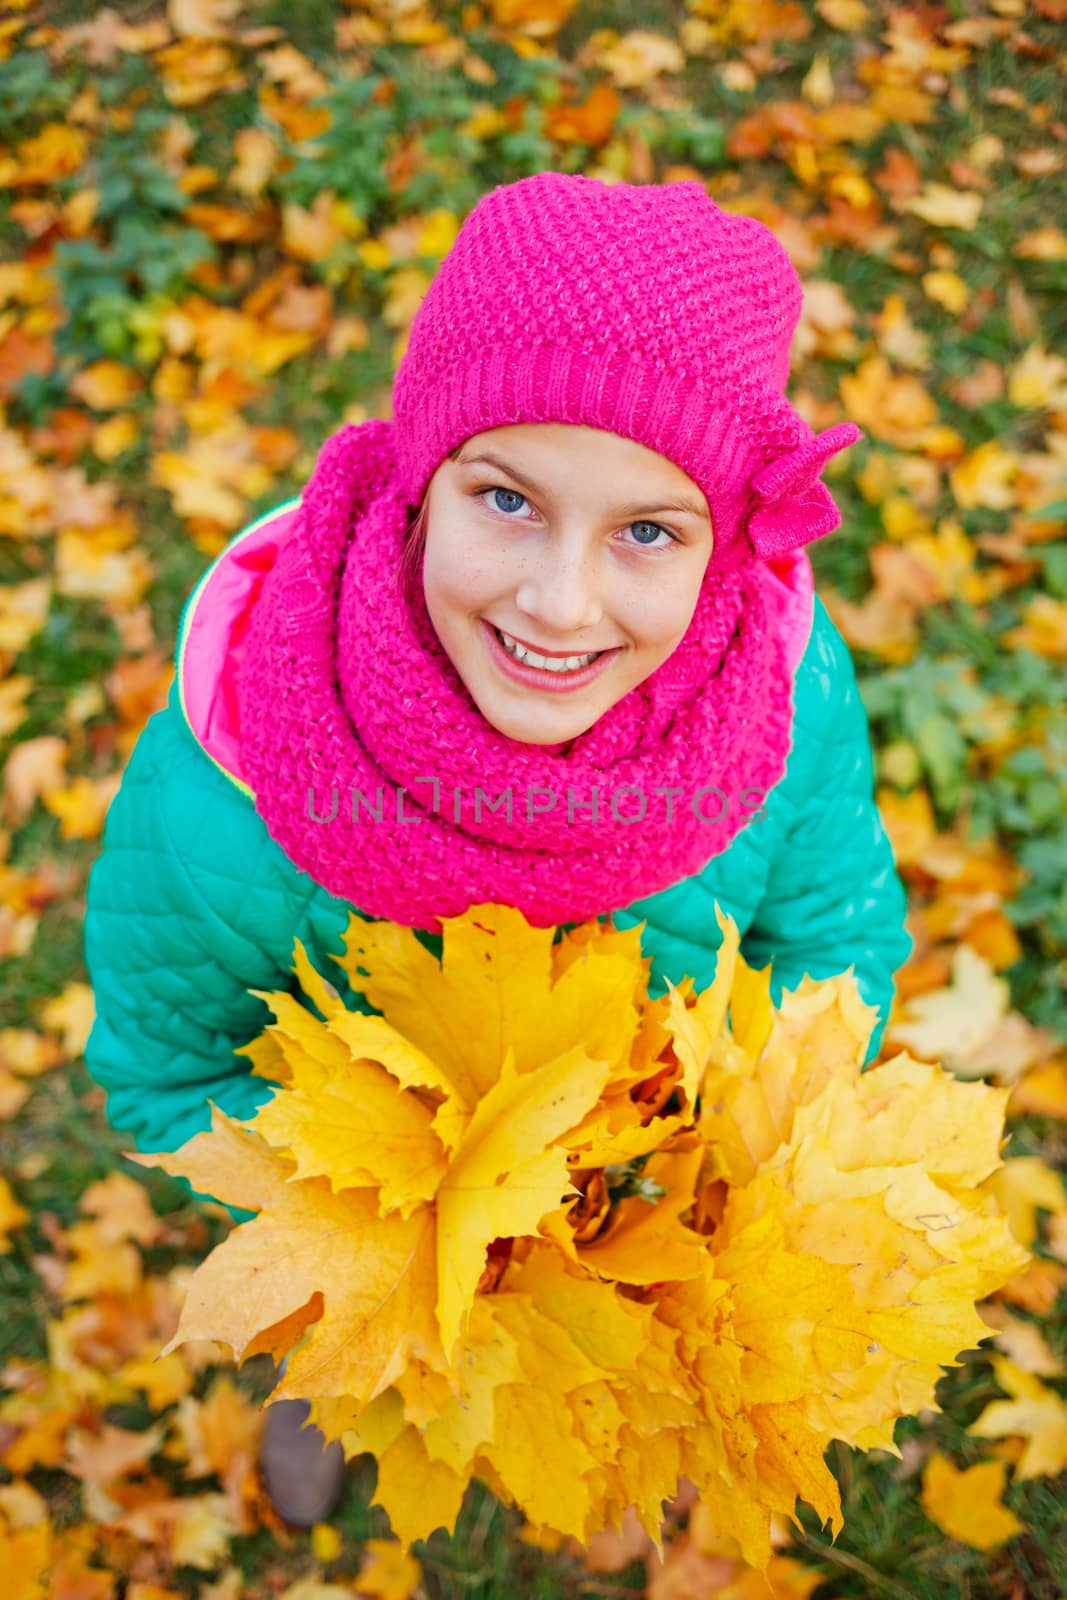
(1043, 628)
(598, 1241)
(898, 409)
(25, 1554)
(901, 341)
(537, 18)
(55, 151)
(70, 1014)
(1023, 1341)
(1042, 244)
(164, 1379)
(1036, 1413)
(121, 1209)
(115, 436)
(304, 1589)
(85, 570)
(99, 1264)
(13, 1214)
(107, 385)
(439, 232)
(951, 1023)
(23, 612)
(500, 981)
(947, 289)
(217, 475)
(968, 1504)
(1023, 1184)
(1038, 379)
(381, 1275)
(985, 477)
(847, 15)
(202, 1529)
(82, 805)
(639, 57)
(1042, 1090)
(944, 206)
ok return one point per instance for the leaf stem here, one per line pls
(842, 1558)
(482, 1526)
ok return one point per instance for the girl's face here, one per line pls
(571, 540)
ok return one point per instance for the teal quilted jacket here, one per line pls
(191, 904)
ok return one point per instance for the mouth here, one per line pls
(556, 681)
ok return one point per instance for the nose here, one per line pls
(562, 594)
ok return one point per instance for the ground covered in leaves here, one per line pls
(204, 273)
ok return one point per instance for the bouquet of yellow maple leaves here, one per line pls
(533, 1226)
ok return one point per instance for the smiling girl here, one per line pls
(524, 547)
(571, 563)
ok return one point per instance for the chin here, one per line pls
(523, 733)
(545, 740)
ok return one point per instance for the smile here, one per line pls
(570, 672)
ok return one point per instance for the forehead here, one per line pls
(547, 447)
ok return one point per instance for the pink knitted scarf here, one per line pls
(350, 709)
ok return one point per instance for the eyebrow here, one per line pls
(689, 507)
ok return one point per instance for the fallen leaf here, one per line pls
(951, 1023)
(944, 207)
(1021, 1185)
(967, 1504)
(1035, 1413)
(1022, 1341)
(12, 1214)
(110, 1453)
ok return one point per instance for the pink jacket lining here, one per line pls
(216, 631)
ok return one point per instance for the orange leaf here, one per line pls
(1037, 1287)
(590, 122)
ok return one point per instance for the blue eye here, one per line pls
(514, 495)
(658, 530)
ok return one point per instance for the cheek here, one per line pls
(658, 621)
(459, 569)
(443, 561)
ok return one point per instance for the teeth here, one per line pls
(532, 659)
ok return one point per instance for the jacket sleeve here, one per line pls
(187, 908)
(833, 896)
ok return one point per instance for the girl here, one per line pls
(548, 637)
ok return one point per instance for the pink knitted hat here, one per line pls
(641, 309)
(647, 312)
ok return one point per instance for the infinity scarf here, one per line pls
(350, 709)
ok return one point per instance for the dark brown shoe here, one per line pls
(302, 1473)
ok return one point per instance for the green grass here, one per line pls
(61, 1141)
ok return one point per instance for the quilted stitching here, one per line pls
(835, 897)
(170, 964)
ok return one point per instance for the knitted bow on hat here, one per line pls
(795, 506)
